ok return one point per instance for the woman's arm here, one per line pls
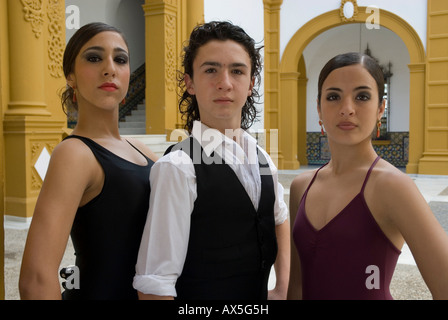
(68, 176)
(298, 187)
(282, 264)
(426, 238)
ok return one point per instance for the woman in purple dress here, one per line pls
(353, 215)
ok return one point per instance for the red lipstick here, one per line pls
(346, 125)
(108, 86)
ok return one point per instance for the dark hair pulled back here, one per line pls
(74, 45)
(353, 58)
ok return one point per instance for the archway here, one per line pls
(290, 83)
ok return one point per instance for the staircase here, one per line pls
(134, 127)
(134, 123)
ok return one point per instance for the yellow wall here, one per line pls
(435, 156)
(168, 25)
(32, 114)
(3, 100)
(272, 78)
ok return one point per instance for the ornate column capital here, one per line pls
(33, 13)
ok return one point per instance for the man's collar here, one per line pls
(210, 139)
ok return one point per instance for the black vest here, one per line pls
(232, 246)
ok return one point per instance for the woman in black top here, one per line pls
(97, 183)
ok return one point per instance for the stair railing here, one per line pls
(136, 92)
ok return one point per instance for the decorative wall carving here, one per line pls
(36, 182)
(348, 10)
(56, 41)
(32, 10)
(36, 150)
(170, 62)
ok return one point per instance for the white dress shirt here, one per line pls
(165, 237)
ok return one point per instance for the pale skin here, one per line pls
(222, 82)
(350, 94)
(74, 176)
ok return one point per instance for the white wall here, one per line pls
(385, 46)
(247, 14)
(126, 15)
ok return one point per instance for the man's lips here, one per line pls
(109, 86)
(223, 100)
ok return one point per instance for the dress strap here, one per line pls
(312, 181)
(368, 173)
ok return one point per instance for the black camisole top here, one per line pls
(106, 232)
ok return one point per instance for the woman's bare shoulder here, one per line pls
(393, 186)
(74, 155)
(302, 180)
(300, 183)
(391, 177)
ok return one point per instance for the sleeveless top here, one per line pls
(349, 258)
(231, 245)
(106, 232)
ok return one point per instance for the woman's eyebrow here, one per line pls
(98, 48)
(363, 88)
(356, 89)
(333, 89)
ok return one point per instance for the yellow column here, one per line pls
(195, 14)
(168, 24)
(3, 101)
(435, 157)
(416, 116)
(27, 79)
(301, 114)
(161, 65)
(272, 115)
(30, 129)
(289, 125)
(190, 14)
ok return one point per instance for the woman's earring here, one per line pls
(321, 127)
(74, 94)
(123, 101)
(378, 126)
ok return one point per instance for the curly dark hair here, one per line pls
(201, 35)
